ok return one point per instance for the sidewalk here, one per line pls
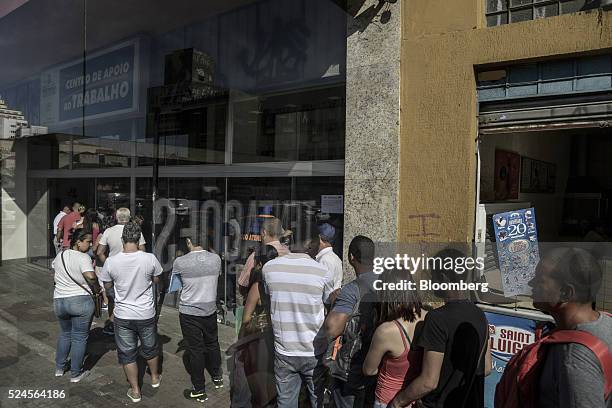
(28, 332)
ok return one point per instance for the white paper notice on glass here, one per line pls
(332, 204)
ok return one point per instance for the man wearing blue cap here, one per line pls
(326, 255)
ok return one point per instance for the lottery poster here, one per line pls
(517, 249)
(507, 335)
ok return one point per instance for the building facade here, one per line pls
(390, 119)
(505, 86)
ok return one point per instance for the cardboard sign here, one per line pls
(517, 249)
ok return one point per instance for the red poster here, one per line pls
(507, 167)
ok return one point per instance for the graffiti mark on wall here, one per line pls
(425, 227)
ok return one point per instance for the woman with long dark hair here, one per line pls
(91, 223)
(73, 304)
(258, 353)
(390, 354)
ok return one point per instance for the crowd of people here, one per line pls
(311, 337)
(324, 343)
(110, 262)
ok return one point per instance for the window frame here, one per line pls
(508, 10)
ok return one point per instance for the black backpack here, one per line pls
(355, 338)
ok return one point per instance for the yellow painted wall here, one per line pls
(442, 43)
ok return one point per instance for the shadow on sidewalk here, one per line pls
(98, 344)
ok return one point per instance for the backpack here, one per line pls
(518, 386)
(343, 349)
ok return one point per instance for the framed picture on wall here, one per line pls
(506, 182)
(537, 176)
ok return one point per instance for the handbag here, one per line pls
(258, 323)
(96, 297)
(260, 320)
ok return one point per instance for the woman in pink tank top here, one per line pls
(390, 355)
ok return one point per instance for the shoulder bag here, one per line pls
(96, 297)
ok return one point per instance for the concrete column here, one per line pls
(372, 123)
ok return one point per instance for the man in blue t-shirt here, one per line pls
(357, 296)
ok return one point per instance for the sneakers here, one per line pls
(104, 306)
(134, 397)
(158, 383)
(59, 372)
(199, 396)
(79, 377)
(109, 329)
(218, 382)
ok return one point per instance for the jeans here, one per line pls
(56, 246)
(200, 334)
(240, 393)
(346, 396)
(127, 334)
(290, 371)
(74, 314)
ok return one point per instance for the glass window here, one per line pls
(572, 6)
(306, 125)
(497, 11)
(52, 151)
(517, 16)
(112, 193)
(496, 5)
(497, 19)
(198, 90)
(143, 207)
(547, 11)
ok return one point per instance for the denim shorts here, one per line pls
(127, 334)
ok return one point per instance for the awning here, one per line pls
(587, 111)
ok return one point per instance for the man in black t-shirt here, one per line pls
(456, 356)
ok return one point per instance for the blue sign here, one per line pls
(507, 335)
(109, 85)
(517, 249)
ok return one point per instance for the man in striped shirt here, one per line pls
(298, 287)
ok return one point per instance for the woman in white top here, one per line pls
(74, 307)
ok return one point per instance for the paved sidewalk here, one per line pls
(28, 332)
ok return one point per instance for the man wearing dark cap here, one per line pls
(131, 274)
(326, 255)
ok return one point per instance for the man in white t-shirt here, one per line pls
(326, 255)
(131, 275)
(56, 221)
(111, 240)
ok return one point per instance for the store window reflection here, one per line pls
(187, 114)
(112, 193)
(160, 114)
(52, 151)
(189, 207)
(305, 125)
(297, 202)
